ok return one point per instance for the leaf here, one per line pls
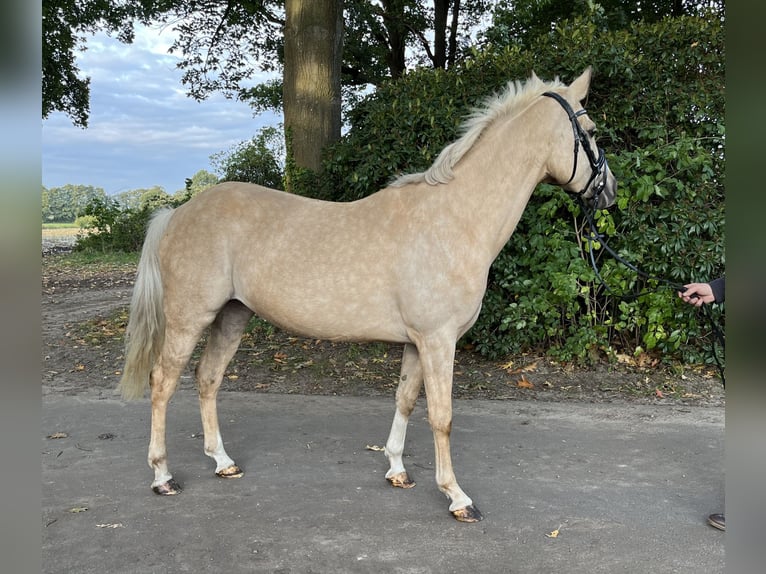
(115, 525)
(507, 366)
(524, 383)
(529, 368)
(625, 359)
(77, 509)
(58, 435)
(525, 369)
(554, 534)
(375, 447)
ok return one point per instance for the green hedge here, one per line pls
(658, 99)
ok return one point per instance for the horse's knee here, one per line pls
(405, 405)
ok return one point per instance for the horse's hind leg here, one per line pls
(225, 335)
(176, 350)
(410, 382)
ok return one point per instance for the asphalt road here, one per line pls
(563, 487)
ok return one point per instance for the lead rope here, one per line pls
(594, 236)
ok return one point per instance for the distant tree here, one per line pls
(154, 198)
(67, 203)
(200, 181)
(130, 199)
(143, 198)
(46, 204)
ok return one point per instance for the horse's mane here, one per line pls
(515, 98)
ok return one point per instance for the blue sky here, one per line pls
(143, 128)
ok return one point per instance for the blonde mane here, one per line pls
(514, 99)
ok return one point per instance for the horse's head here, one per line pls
(579, 165)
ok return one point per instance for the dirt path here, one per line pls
(84, 311)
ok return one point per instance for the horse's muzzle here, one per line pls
(604, 189)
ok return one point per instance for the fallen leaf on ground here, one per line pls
(554, 534)
(524, 383)
(507, 366)
(115, 525)
(58, 435)
(525, 369)
(77, 509)
(375, 447)
(528, 368)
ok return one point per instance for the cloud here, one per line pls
(143, 129)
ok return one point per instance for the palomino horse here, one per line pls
(407, 265)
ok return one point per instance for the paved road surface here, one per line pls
(627, 487)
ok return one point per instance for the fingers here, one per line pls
(697, 294)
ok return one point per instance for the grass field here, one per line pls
(60, 230)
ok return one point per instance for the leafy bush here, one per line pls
(260, 160)
(658, 99)
(113, 228)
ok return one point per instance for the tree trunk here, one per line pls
(312, 96)
(441, 10)
(393, 20)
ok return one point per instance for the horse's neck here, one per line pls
(494, 181)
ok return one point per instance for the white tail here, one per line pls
(146, 325)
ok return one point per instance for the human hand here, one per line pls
(697, 294)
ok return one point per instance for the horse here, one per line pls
(406, 265)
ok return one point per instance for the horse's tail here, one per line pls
(145, 332)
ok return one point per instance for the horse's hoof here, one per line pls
(168, 488)
(401, 480)
(467, 514)
(232, 471)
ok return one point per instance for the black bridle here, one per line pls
(597, 163)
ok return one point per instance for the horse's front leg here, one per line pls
(437, 358)
(225, 335)
(410, 382)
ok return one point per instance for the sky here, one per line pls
(143, 130)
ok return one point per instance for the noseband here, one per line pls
(597, 164)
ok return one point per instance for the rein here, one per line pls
(597, 166)
(596, 236)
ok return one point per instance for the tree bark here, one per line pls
(393, 20)
(441, 11)
(311, 93)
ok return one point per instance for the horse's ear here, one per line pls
(581, 85)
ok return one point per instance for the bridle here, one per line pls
(597, 164)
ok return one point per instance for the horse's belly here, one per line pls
(330, 315)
